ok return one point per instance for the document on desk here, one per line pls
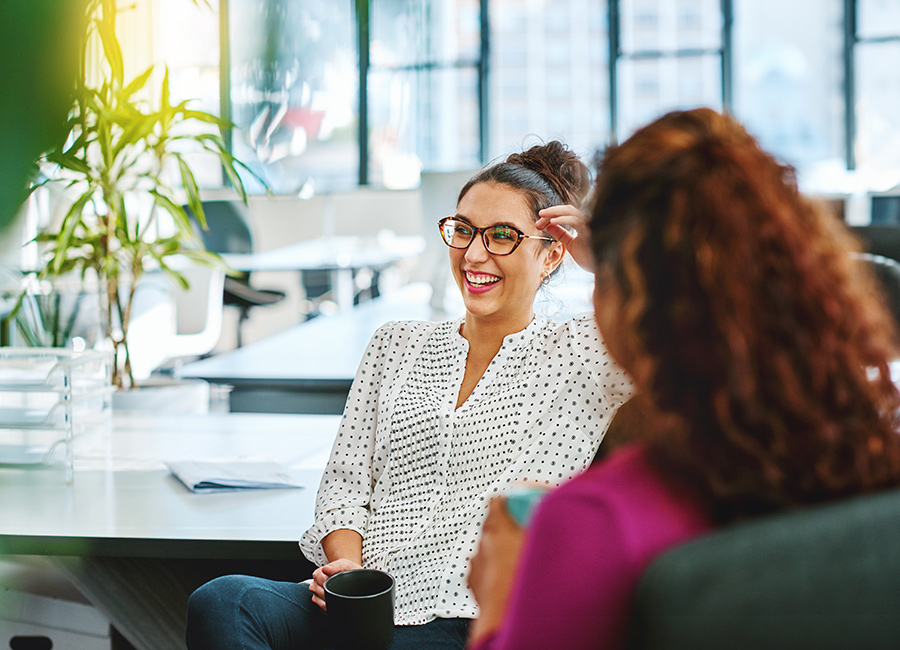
(203, 477)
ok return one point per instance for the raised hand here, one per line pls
(568, 224)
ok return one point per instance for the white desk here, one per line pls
(340, 256)
(124, 502)
(137, 542)
(310, 367)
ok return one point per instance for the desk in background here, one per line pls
(341, 257)
(310, 367)
(136, 541)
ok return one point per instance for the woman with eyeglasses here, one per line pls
(760, 359)
(442, 417)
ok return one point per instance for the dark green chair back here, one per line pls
(825, 578)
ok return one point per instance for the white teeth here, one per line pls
(481, 280)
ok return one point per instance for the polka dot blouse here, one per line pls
(413, 474)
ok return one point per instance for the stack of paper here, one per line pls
(235, 475)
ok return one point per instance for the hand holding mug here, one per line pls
(320, 575)
(493, 567)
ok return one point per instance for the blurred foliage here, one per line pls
(120, 155)
(40, 41)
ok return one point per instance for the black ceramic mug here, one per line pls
(360, 606)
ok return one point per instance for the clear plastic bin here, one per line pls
(47, 397)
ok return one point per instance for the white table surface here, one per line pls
(331, 253)
(325, 352)
(124, 502)
(320, 353)
(341, 257)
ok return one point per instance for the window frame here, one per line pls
(616, 54)
(851, 40)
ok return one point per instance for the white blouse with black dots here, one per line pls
(413, 474)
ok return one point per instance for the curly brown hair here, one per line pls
(767, 355)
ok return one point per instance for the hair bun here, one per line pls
(555, 162)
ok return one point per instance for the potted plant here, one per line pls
(118, 160)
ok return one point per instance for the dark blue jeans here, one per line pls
(246, 613)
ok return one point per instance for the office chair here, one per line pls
(172, 324)
(228, 232)
(821, 577)
(880, 239)
(887, 276)
(885, 208)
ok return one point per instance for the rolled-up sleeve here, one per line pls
(346, 488)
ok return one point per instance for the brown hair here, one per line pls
(548, 174)
(767, 354)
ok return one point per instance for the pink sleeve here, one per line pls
(557, 603)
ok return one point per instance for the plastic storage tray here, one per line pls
(47, 397)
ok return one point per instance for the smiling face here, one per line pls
(499, 289)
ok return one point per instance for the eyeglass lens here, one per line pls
(499, 240)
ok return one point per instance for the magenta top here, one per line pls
(586, 547)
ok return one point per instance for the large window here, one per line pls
(294, 90)
(789, 78)
(330, 93)
(424, 110)
(548, 75)
(188, 37)
(670, 56)
(877, 84)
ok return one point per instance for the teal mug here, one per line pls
(522, 500)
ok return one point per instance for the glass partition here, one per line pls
(424, 111)
(877, 18)
(294, 92)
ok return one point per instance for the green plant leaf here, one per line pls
(72, 162)
(70, 222)
(175, 276)
(79, 144)
(139, 127)
(209, 118)
(178, 214)
(136, 84)
(104, 139)
(164, 104)
(193, 192)
(127, 232)
(208, 258)
(106, 29)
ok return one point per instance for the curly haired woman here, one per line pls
(757, 351)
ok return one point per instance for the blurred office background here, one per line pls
(450, 84)
(344, 106)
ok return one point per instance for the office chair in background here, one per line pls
(880, 239)
(887, 276)
(885, 207)
(228, 232)
(172, 324)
